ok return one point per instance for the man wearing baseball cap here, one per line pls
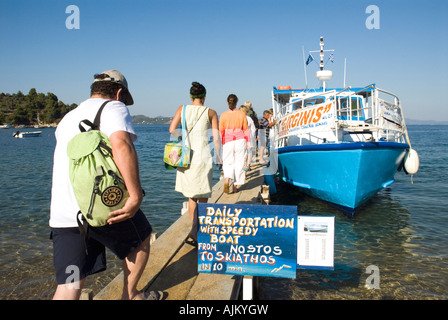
(128, 230)
(116, 77)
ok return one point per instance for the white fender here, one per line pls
(411, 162)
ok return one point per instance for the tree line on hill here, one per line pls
(45, 109)
(32, 109)
(140, 119)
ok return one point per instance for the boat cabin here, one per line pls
(335, 115)
(351, 104)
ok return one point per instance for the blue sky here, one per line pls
(243, 47)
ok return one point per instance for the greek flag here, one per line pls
(332, 57)
(309, 60)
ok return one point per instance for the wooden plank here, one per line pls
(172, 265)
(162, 250)
(177, 278)
(210, 286)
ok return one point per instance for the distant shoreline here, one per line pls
(426, 122)
(141, 119)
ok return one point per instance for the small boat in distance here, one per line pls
(29, 134)
(340, 145)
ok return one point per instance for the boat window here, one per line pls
(309, 102)
(347, 105)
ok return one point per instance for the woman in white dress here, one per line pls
(195, 181)
(253, 141)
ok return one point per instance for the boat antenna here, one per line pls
(321, 53)
(304, 67)
(323, 75)
(345, 70)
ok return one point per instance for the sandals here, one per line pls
(151, 295)
(227, 189)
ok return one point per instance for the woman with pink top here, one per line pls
(235, 138)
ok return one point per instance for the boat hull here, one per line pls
(27, 134)
(345, 174)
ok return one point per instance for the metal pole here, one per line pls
(345, 70)
(304, 67)
(321, 53)
(322, 60)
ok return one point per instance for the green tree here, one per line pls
(20, 116)
(33, 108)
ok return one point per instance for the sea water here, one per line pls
(401, 231)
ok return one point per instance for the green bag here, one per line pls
(97, 183)
(177, 154)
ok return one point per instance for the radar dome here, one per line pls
(324, 75)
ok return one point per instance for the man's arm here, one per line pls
(126, 159)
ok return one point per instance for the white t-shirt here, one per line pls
(115, 117)
(252, 130)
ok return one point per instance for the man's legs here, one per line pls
(69, 291)
(261, 158)
(133, 266)
(72, 264)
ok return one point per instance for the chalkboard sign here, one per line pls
(245, 239)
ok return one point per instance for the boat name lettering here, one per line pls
(307, 117)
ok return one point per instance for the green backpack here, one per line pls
(97, 183)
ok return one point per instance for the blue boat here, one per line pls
(341, 145)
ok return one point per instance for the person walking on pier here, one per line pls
(264, 133)
(252, 130)
(235, 138)
(195, 181)
(128, 231)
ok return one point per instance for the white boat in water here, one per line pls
(340, 145)
(29, 134)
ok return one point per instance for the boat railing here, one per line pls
(350, 113)
(356, 116)
(280, 141)
(389, 93)
(370, 86)
(350, 118)
(398, 132)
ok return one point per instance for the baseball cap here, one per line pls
(117, 77)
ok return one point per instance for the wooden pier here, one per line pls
(172, 265)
